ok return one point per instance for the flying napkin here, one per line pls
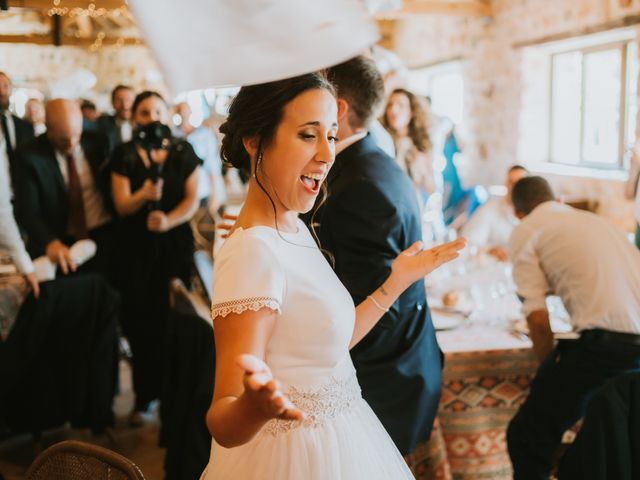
(207, 43)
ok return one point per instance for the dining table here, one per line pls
(489, 364)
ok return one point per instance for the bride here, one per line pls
(286, 403)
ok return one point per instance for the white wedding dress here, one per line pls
(341, 438)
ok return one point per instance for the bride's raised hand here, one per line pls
(263, 391)
(415, 263)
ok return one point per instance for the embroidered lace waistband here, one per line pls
(320, 405)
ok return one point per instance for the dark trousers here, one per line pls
(559, 396)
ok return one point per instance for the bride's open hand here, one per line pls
(263, 391)
(414, 263)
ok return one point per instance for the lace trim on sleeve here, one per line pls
(242, 305)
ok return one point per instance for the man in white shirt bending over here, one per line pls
(491, 225)
(592, 266)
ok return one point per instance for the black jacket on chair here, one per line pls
(608, 444)
(42, 199)
(370, 216)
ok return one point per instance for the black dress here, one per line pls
(149, 260)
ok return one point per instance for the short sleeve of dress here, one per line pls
(120, 160)
(246, 276)
(189, 161)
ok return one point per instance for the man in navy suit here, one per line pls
(63, 192)
(369, 217)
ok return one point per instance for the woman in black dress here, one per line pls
(156, 197)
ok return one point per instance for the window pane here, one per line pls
(632, 94)
(447, 96)
(565, 110)
(602, 106)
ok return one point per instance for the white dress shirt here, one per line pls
(10, 239)
(585, 260)
(382, 138)
(94, 209)
(126, 129)
(491, 225)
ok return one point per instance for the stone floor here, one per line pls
(138, 444)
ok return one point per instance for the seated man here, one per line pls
(491, 225)
(62, 191)
(592, 266)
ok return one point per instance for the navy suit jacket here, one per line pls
(369, 217)
(42, 198)
(107, 125)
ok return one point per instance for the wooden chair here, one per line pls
(73, 460)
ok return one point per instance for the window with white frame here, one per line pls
(593, 103)
(444, 85)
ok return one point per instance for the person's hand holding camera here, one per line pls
(151, 191)
(158, 222)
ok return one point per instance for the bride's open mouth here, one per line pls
(312, 181)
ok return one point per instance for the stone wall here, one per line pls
(491, 50)
(43, 67)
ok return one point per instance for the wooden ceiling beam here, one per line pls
(481, 8)
(67, 41)
(47, 4)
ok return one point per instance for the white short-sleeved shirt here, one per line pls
(259, 267)
(582, 258)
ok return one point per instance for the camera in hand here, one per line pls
(153, 136)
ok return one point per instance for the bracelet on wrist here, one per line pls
(375, 302)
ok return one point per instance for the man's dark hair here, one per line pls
(529, 192)
(87, 105)
(360, 84)
(515, 167)
(118, 88)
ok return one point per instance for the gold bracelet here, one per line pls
(375, 302)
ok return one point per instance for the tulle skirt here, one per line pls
(351, 445)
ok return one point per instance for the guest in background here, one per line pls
(14, 131)
(63, 191)
(491, 225)
(370, 216)
(407, 120)
(590, 264)
(211, 189)
(89, 110)
(118, 127)
(632, 192)
(155, 193)
(34, 114)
